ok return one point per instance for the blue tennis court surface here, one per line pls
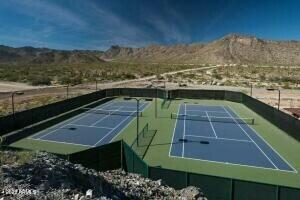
(92, 129)
(228, 142)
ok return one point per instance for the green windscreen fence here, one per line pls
(282, 120)
(233, 96)
(286, 193)
(220, 188)
(255, 191)
(139, 92)
(42, 125)
(28, 117)
(113, 92)
(197, 94)
(163, 94)
(132, 162)
(213, 187)
(106, 157)
(176, 179)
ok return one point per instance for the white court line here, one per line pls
(267, 143)
(104, 117)
(227, 163)
(251, 138)
(99, 127)
(219, 138)
(81, 115)
(193, 110)
(174, 132)
(211, 125)
(182, 155)
(85, 114)
(120, 107)
(147, 105)
(115, 128)
(68, 123)
(61, 142)
(201, 105)
(141, 104)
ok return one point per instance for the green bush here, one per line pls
(65, 80)
(39, 80)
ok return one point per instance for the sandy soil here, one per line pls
(32, 94)
(13, 86)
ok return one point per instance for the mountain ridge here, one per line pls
(230, 49)
(32, 55)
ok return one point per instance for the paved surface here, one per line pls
(230, 143)
(92, 129)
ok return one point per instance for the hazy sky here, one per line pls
(98, 24)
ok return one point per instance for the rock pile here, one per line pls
(46, 176)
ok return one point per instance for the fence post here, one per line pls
(231, 189)
(132, 156)
(277, 192)
(121, 156)
(187, 179)
(147, 170)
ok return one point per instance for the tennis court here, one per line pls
(93, 127)
(217, 134)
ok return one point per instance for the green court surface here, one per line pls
(158, 153)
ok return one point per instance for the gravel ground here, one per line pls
(46, 176)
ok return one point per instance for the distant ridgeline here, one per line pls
(232, 49)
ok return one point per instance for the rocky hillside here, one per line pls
(30, 55)
(232, 49)
(45, 176)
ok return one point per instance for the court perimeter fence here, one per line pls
(20, 121)
(285, 122)
(120, 155)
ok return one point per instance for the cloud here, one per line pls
(86, 24)
(171, 25)
(42, 10)
(113, 29)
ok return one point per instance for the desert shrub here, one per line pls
(262, 76)
(216, 75)
(286, 85)
(39, 80)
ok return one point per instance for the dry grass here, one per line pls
(243, 76)
(15, 157)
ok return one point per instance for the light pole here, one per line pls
(13, 100)
(137, 114)
(68, 91)
(96, 84)
(273, 89)
(251, 89)
(156, 96)
(156, 102)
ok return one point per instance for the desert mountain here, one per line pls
(32, 55)
(232, 49)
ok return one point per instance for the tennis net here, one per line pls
(213, 118)
(112, 112)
